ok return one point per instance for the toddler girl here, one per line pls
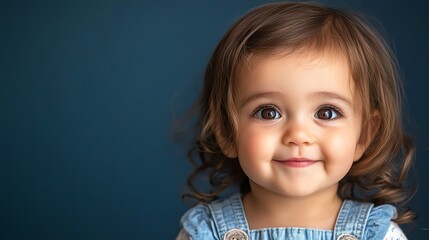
(300, 109)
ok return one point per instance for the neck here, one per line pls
(266, 209)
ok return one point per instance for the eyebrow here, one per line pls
(258, 95)
(328, 95)
(333, 95)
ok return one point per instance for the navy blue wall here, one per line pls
(89, 91)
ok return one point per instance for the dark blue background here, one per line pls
(89, 93)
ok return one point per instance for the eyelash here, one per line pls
(263, 107)
(336, 110)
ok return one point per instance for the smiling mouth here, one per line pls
(297, 162)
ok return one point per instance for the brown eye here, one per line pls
(327, 113)
(267, 113)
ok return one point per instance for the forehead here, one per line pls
(316, 71)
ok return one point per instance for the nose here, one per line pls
(297, 133)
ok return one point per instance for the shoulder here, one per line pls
(379, 221)
(198, 223)
(364, 219)
(210, 221)
(394, 232)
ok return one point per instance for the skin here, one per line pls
(299, 129)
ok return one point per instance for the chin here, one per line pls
(297, 194)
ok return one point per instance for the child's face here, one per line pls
(299, 124)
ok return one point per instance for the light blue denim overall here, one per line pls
(225, 220)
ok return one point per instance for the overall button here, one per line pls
(235, 234)
(346, 237)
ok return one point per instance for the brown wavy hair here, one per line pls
(379, 176)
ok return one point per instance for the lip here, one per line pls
(297, 162)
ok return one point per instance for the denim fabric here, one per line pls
(212, 221)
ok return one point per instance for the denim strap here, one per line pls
(352, 219)
(229, 214)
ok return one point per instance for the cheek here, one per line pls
(256, 144)
(340, 150)
(256, 147)
(341, 144)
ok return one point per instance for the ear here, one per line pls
(365, 140)
(228, 149)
